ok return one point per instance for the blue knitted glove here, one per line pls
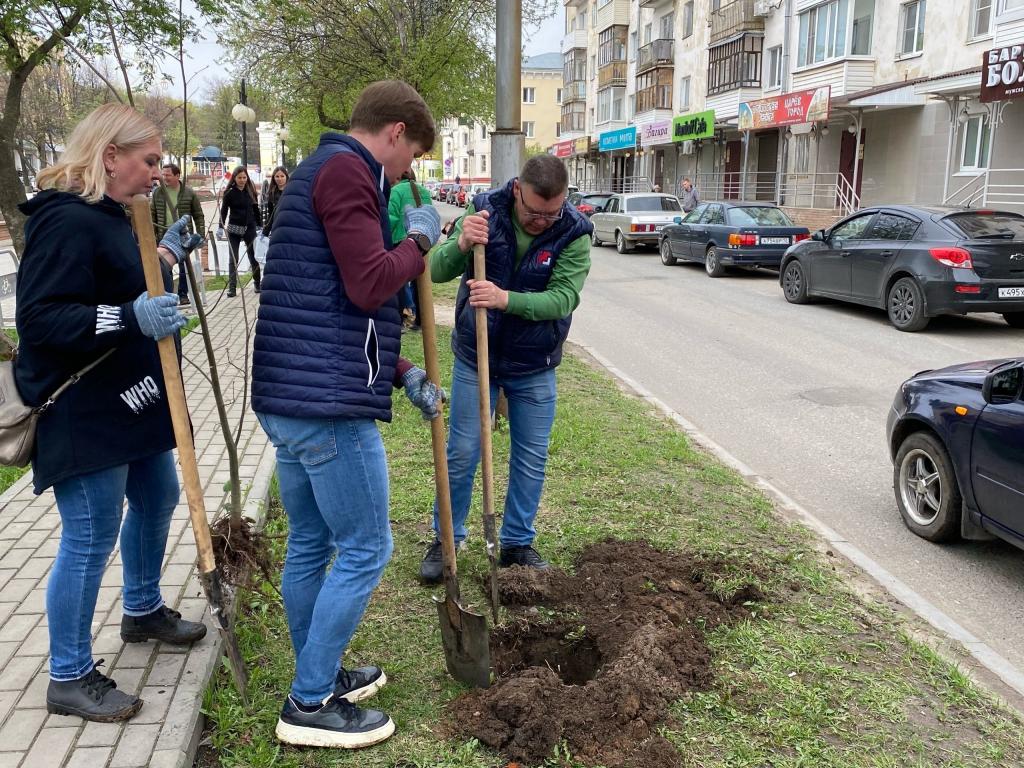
(178, 240)
(423, 393)
(158, 316)
(425, 220)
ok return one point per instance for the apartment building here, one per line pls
(824, 104)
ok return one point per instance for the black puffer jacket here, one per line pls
(240, 208)
(79, 276)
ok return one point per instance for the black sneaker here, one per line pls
(164, 624)
(433, 563)
(526, 556)
(93, 697)
(335, 723)
(357, 684)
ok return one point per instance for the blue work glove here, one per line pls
(158, 316)
(423, 393)
(425, 220)
(178, 240)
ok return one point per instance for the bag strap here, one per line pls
(73, 379)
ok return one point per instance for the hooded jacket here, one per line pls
(78, 278)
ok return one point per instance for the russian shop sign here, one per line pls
(621, 139)
(562, 149)
(787, 109)
(581, 146)
(1002, 73)
(699, 125)
(658, 132)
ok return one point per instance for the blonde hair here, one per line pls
(80, 169)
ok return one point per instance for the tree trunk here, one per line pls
(12, 190)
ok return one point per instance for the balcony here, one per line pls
(654, 97)
(575, 39)
(612, 13)
(733, 19)
(574, 118)
(612, 73)
(654, 3)
(572, 3)
(657, 53)
(574, 91)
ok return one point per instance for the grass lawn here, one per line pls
(816, 676)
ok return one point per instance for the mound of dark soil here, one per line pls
(626, 641)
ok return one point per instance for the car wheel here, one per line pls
(593, 238)
(712, 265)
(905, 305)
(794, 284)
(620, 243)
(927, 493)
(1014, 319)
(666, 254)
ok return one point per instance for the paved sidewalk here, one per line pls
(170, 680)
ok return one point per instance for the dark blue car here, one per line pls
(733, 234)
(956, 436)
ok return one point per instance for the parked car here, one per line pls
(588, 203)
(915, 262)
(733, 234)
(956, 437)
(453, 194)
(442, 192)
(477, 189)
(460, 196)
(634, 218)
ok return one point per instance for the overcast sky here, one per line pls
(205, 59)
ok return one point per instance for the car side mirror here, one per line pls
(1003, 385)
(599, 209)
(678, 220)
(821, 236)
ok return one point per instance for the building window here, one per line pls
(665, 26)
(582, 23)
(611, 45)
(736, 64)
(574, 66)
(654, 90)
(593, 16)
(528, 128)
(593, 66)
(801, 153)
(912, 27)
(823, 32)
(483, 131)
(465, 165)
(684, 93)
(558, 130)
(483, 163)
(648, 31)
(976, 142)
(688, 19)
(981, 18)
(632, 45)
(1010, 5)
(774, 67)
(529, 95)
(860, 38)
(465, 138)
(610, 104)
(558, 96)
(632, 106)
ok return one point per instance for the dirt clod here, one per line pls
(626, 640)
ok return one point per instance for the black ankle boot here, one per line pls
(163, 624)
(93, 697)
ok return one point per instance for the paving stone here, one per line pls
(38, 638)
(6, 610)
(48, 548)
(32, 538)
(176, 575)
(107, 641)
(135, 655)
(106, 598)
(35, 602)
(51, 747)
(18, 626)
(166, 669)
(7, 650)
(129, 680)
(6, 575)
(90, 757)
(35, 694)
(7, 701)
(15, 558)
(14, 530)
(21, 728)
(19, 673)
(99, 735)
(35, 568)
(135, 745)
(11, 759)
(157, 698)
(185, 553)
(17, 589)
(168, 758)
(112, 577)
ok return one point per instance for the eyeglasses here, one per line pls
(537, 214)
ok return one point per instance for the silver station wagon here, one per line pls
(633, 219)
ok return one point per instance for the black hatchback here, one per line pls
(915, 262)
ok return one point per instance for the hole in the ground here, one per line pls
(567, 649)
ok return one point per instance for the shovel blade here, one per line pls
(467, 650)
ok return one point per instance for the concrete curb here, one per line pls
(1002, 668)
(184, 722)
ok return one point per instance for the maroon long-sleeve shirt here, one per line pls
(345, 200)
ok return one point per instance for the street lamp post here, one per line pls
(283, 134)
(243, 114)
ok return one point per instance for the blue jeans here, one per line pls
(91, 507)
(333, 475)
(531, 413)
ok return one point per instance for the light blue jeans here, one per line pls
(531, 414)
(91, 507)
(334, 485)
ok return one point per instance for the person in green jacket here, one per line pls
(407, 192)
(170, 201)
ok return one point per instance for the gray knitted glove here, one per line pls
(425, 220)
(158, 316)
(423, 393)
(178, 240)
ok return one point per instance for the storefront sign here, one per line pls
(1002, 73)
(621, 139)
(787, 109)
(562, 149)
(581, 146)
(658, 132)
(699, 125)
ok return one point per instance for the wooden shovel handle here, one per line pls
(483, 377)
(175, 390)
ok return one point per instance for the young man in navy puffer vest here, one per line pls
(325, 362)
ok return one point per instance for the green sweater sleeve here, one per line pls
(395, 209)
(446, 260)
(562, 295)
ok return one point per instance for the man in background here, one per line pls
(170, 201)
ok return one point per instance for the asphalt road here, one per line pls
(800, 394)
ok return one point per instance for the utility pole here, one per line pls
(507, 142)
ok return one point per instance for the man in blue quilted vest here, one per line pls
(538, 257)
(325, 362)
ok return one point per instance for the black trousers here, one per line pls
(249, 238)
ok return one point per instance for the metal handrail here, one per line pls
(654, 53)
(846, 195)
(976, 185)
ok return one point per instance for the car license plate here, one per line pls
(1016, 292)
(774, 241)
(659, 228)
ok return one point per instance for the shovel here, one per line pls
(463, 633)
(209, 576)
(483, 378)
